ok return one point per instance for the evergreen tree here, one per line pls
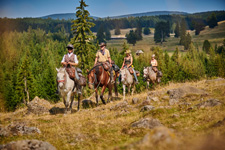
(117, 30)
(83, 36)
(131, 37)
(187, 41)
(161, 32)
(138, 31)
(206, 46)
(183, 32)
(147, 31)
(24, 83)
(212, 20)
(107, 34)
(177, 31)
(100, 34)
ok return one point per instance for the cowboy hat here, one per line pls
(128, 51)
(153, 55)
(102, 44)
(69, 46)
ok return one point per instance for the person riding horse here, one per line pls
(154, 64)
(70, 61)
(127, 63)
(103, 56)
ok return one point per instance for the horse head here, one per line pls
(123, 74)
(91, 78)
(145, 72)
(61, 77)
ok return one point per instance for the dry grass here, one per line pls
(102, 128)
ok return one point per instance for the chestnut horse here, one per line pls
(98, 77)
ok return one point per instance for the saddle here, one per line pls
(71, 73)
(135, 71)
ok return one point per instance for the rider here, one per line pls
(70, 60)
(154, 64)
(103, 56)
(127, 63)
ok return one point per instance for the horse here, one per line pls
(127, 80)
(99, 77)
(150, 76)
(67, 89)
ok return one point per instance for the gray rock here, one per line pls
(215, 80)
(38, 106)
(147, 108)
(162, 135)
(155, 99)
(27, 145)
(209, 103)
(120, 105)
(135, 100)
(165, 97)
(183, 91)
(18, 129)
(147, 123)
(173, 101)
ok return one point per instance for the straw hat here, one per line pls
(128, 51)
(102, 44)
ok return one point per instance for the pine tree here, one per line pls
(117, 30)
(212, 20)
(138, 32)
(100, 34)
(183, 32)
(177, 31)
(147, 31)
(131, 37)
(107, 34)
(206, 46)
(82, 36)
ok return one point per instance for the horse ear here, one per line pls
(57, 69)
(87, 70)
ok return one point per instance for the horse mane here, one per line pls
(93, 68)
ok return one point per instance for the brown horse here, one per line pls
(98, 77)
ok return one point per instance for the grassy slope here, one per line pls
(100, 128)
(215, 36)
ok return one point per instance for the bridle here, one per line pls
(63, 81)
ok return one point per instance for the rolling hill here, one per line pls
(68, 16)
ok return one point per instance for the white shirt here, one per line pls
(69, 54)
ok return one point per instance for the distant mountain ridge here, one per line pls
(68, 16)
(65, 16)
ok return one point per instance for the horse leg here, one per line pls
(96, 96)
(78, 107)
(129, 86)
(71, 104)
(124, 91)
(110, 93)
(115, 88)
(147, 84)
(68, 97)
(133, 89)
(102, 92)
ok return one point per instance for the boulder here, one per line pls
(27, 145)
(147, 108)
(18, 129)
(149, 123)
(135, 100)
(183, 91)
(209, 103)
(38, 106)
(120, 105)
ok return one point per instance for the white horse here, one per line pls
(67, 89)
(127, 80)
(151, 76)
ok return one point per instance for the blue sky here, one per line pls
(103, 8)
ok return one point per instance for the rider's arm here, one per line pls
(63, 61)
(96, 58)
(156, 63)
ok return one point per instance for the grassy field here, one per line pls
(215, 36)
(105, 128)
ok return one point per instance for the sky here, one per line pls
(103, 8)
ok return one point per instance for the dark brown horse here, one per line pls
(98, 77)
